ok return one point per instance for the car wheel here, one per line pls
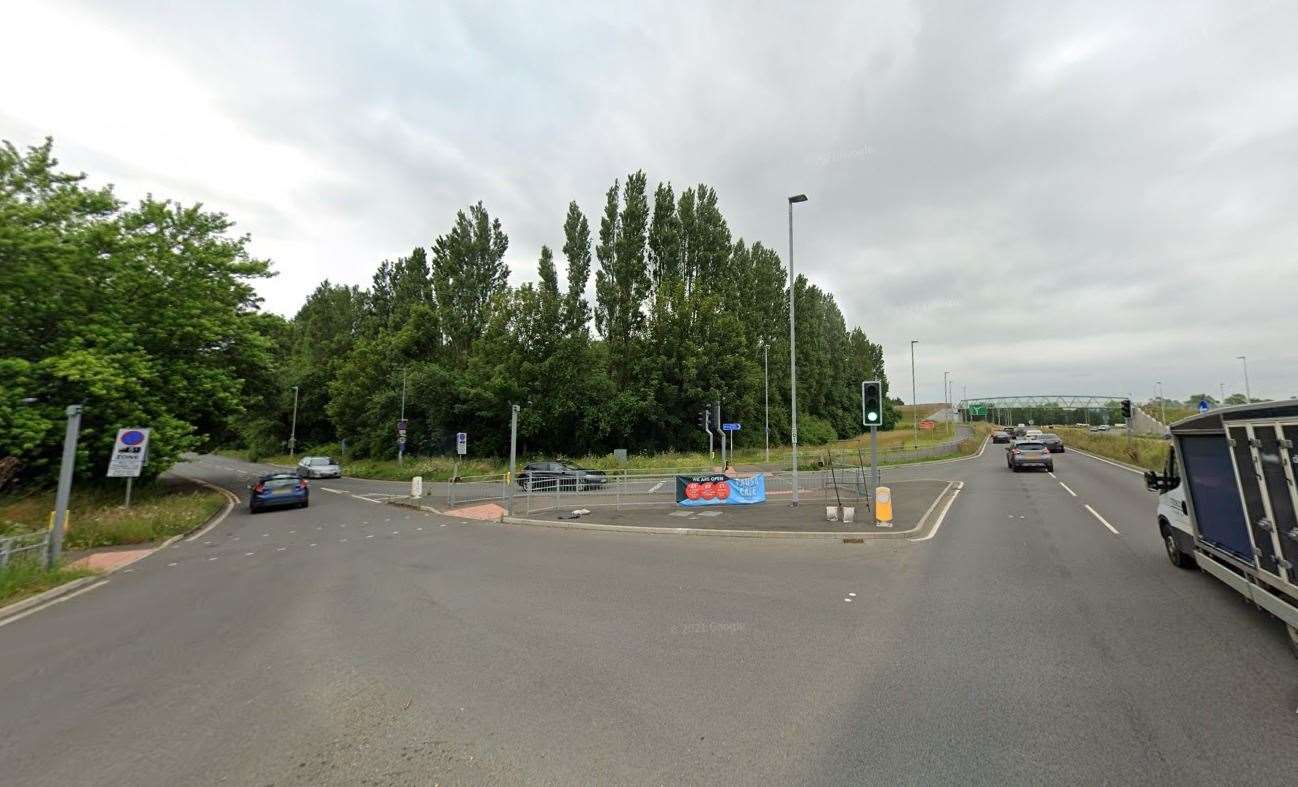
(1174, 553)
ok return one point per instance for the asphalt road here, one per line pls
(355, 642)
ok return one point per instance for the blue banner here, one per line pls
(720, 490)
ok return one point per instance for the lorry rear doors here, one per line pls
(1263, 455)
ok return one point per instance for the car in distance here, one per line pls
(1100, 428)
(1053, 442)
(1029, 453)
(278, 490)
(548, 476)
(1000, 436)
(319, 467)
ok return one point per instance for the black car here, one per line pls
(1053, 442)
(278, 490)
(548, 476)
(1000, 436)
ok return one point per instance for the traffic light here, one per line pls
(872, 403)
(703, 420)
(1126, 408)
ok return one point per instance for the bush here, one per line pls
(815, 431)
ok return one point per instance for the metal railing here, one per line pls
(11, 546)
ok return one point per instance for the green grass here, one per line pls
(26, 576)
(1147, 452)
(96, 519)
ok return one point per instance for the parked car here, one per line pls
(278, 490)
(1029, 453)
(1000, 436)
(551, 475)
(1053, 442)
(319, 467)
(1100, 428)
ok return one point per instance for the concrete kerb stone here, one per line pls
(696, 531)
(18, 607)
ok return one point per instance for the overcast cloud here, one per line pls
(1051, 197)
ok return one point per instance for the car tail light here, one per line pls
(259, 488)
(301, 483)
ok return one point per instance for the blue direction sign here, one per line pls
(1203, 405)
(730, 427)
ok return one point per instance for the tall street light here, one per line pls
(793, 352)
(914, 401)
(1248, 394)
(946, 399)
(1162, 404)
(1222, 401)
(292, 435)
(766, 382)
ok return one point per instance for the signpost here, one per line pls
(461, 443)
(927, 424)
(976, 410)
(401, 440)
(130, 452)
(731, 427)
(1204, 406)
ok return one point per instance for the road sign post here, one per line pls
(130, 452)
(401, 440)
(65, 485)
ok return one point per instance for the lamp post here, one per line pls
(1248, 393)
(766, 383)
(946, 399)
(1222, 401)
(292, 435)
(793, 352)
(1162, 405)
(914, 401)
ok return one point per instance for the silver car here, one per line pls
(1029, 453)
(319, 467)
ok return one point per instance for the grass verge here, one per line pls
(158, 511)
(1149, 453)
(26, 576)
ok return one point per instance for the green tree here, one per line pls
(468, 271)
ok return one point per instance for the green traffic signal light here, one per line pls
(871, 403)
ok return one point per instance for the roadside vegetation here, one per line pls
(96, 518)
(26, 576)
(1149, 453)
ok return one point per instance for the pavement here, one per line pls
(1024, 641)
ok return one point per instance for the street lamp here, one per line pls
(1248, 394)
(1162, 403)
(292, 435)
(793, 352)
(946, 399)
(766, 382)
(914, 401)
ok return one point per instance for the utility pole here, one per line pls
(766, 381)
(292, 435)
(793, 352)
(65, 485)
(1248, 392)
(914, 400)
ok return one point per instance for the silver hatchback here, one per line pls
(319, 467)
(1029, 453)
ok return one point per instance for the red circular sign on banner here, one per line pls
(722, 490)
(709, 490)
(693, 490)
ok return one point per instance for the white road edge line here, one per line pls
(941, 516)
(231, 501)
(1103, 521)
(1118, 465)
(49, 604)
(1066, 489)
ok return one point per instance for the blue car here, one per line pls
(278, 490)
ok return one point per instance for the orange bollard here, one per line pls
(883, 506)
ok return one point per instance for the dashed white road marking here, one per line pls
(169, 565)
(210, 559)
(847, 599)
(1066, 489)
(335, 491)
(1103, 521)
(656, 487)
(853, 595)
(249, 554)
(313, 545)
(1051, 473)
(280, 549)
(371, 535)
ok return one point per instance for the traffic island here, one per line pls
(912, 502)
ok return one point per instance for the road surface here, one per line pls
(355, 642)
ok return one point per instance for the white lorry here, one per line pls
(1227, 502)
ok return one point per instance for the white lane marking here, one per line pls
(1118, 465)
(249, 554)
(1066, 489)
(656, 486)
(263, 535)
(420, 529)
(940, 518)
(313, 545)
(210, 559)
(291, 532)
(1103, 521)
(1051, 473)
(280, 549)
(371, 535)
(335, 491)
(852, 595)
(48, 604)
(395, 532)
(342, 540)
(169, 565)
(847, 599)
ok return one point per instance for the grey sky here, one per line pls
(1052, 197)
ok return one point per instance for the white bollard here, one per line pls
(417, 486)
